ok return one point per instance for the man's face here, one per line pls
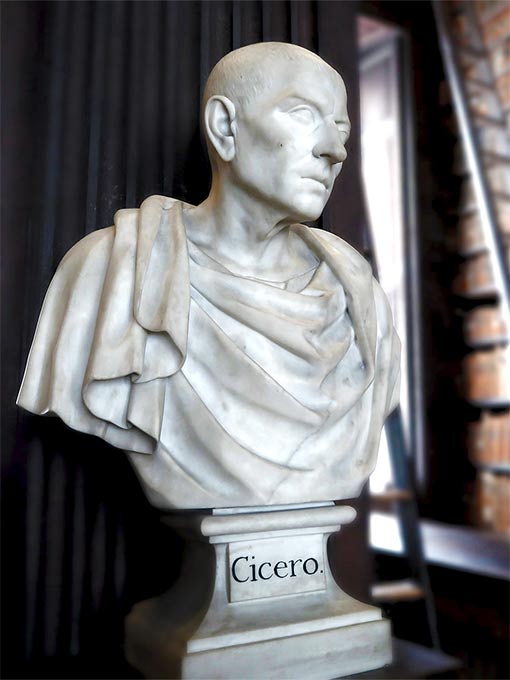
(290, 144)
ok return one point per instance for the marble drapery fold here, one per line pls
(224, 390)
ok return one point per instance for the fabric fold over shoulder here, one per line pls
(355, 276)
(100, 333)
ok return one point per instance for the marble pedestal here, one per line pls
(256, 599)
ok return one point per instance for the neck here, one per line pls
(244, 234)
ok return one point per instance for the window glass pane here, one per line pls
(383, 182)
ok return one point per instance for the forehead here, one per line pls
(309, 80)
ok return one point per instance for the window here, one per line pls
(388, 178)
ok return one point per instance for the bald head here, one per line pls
(249, 77)
(276, 125)
(245, 73)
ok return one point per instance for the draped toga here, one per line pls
(224, 390)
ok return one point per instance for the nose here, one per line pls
(329, 144)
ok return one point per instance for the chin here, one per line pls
(309, 211)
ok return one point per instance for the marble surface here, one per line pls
(256, 599)
(237, 356)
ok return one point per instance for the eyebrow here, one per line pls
(317, 105)
(302, 98)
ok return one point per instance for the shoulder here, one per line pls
(346, 254)
(90, 253)
(340, 248)
(126, 223)
(91, 246)
(159, 201)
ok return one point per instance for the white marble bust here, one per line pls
(237, 356)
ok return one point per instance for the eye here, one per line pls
(302, 114)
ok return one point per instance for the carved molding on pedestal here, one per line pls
(256, 598)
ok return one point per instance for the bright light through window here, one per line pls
(383, 182)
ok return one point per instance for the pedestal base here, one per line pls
(256, 599)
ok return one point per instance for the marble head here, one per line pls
(276, 123)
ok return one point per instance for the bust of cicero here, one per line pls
(239, 357)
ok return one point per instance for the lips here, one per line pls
(319, 180)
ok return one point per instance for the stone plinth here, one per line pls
(256, 599)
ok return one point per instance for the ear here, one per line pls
(219, 116)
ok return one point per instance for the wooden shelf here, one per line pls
(492, 467)
(476, 249)
(488, 342)
(392, 495)
(481, 293)
(397, 591)
(490, 403)
(476, 551)
(484, 120)
(472, 52)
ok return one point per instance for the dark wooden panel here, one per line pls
(100, 109)
(275, 21)
(336, 30)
